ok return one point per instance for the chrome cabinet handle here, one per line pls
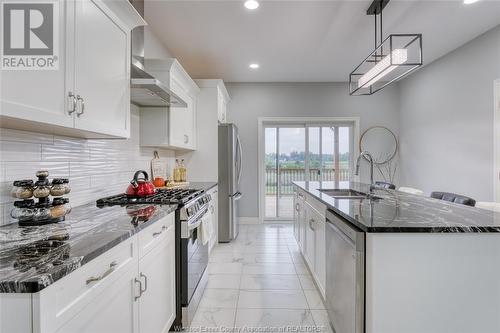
(136, 280)
(186, 138)
(82, 105)
(145, 282)
(158, 233)
(71, 103)
(311, 221)
(110, 270)
(297, 207)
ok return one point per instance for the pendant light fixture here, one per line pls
(393, 57)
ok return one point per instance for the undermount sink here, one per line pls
(345, 194)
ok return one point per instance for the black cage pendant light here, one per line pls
(394, 57)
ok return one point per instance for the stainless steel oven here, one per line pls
(192, 259)
(345, 275)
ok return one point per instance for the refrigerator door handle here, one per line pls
(240, 158)
(237, 196)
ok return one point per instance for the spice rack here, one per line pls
(36, 206)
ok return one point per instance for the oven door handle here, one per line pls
(198, 221)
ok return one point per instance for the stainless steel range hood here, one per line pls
(145, 90)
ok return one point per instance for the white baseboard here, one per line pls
(249, 220)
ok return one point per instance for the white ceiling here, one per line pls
(304, 41)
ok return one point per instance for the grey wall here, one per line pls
(252, 100)
(446, 129)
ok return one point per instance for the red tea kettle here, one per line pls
(140, 187)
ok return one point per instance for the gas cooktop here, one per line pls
(161, 197)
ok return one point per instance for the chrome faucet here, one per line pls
(369, 157)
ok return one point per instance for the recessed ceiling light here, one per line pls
(251, 4)
(468, 2)
(253, 66)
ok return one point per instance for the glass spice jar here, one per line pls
(42, 174)
(41, 212)
(67, 188)
(23, 210)
(59, 187)
(22, 189)
(60, 208)
(42, 189)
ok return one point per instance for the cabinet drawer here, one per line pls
(316, 205)
(65, 298)
(154, 234)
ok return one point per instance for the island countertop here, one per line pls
(394, 211)
(34, 257)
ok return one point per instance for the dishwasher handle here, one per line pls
(350, 233)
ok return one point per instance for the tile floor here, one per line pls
(260, 283)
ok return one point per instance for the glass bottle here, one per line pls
(177, 176)
(183, 171)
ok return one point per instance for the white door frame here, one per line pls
(293, 120)
(496, 138)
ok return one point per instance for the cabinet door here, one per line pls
(42, 95)
(215, 218)
(221, 107)
(296, 213)
(302, 225)
(320, 259)
(113, 311)
(102, 70)
(157, 272)
(310, 246)
(181, 124)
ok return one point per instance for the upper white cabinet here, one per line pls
(211, 106)
(171, 127)
(89, 94)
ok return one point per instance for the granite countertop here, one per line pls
(394, 211)
(32, 258)
(202, 185)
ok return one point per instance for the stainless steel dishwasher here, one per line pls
(345, 275)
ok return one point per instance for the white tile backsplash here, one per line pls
(96, 168)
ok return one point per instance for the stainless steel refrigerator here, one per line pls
(230, 164)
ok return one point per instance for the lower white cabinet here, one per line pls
(123, 290)
(157, 276)
(214, 216)
(112, 311)
(309, 231)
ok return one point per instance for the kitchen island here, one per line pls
(429, 266)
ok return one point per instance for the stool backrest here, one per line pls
(385, 185)
(452, 197)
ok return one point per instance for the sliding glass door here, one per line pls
(299, 152)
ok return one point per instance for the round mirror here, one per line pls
(380, 142)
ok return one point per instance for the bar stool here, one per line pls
(385, 185)
(493, 206)
(411, 190)
(452, 197)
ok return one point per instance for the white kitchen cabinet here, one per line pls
(89, 94)
(309, 231)
(112, 311)
(102, 70)
(222, 100)
(41, 95)
(320, 249)
(157, 273)
(213, 210)
(125, 289)
(204, 165)
(171, 127)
